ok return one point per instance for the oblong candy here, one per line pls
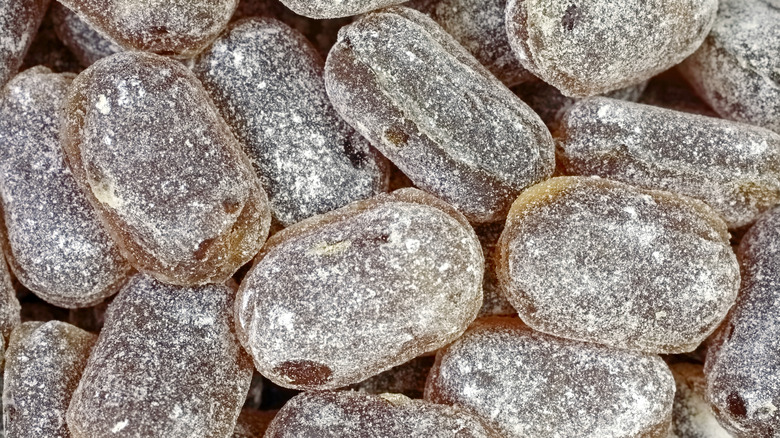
(528, 384)
(595, 46)
(743, 385)
(733, 167)
(44, 362)
(600, 261)
(19, 20)
(336, 8)
(87, 44)
(436, 113)
(54, 242)
(165, 174)
(266, 79)
(347, 414)
(166, 364)
(692, 415)
(340, 297)
(736, 70)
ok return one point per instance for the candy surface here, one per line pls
(336, 8)
(692, 416)
(87, 44)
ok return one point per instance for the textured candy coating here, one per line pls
(594, 46)
(266, 79)
(692, 416)
(436, 113)
(336, 8)
(733, 167)
(601, 261)
(43, 366)
(166, 364)
(19, 20)
(478, 25)
(87, 44)
(343, 296)
(737, 70)
(743, 384)
(165, 174)
(528, 384)
(347, 414)
(54, 242)
(179, 28)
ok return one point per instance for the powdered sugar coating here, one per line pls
(166, 364)
(478, 25)
(436, 113)
(336, 8)
(743, 385)
(44, 363)
(600, 261)
(594, 46)
(692, 416)
(54, 243)
(737, 70)
(343, 296)
(85, 42)
(19, 20)
(179, 28)
(527, 384)
(346, 414)
(165, 174)
(266, 79)
(733, 167)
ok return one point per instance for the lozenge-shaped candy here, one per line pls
(601, 261)
(166, 364)
(343, 296)
(692, 416)
(180, 28)
(347, 414)
(436, 113)
(43, 366)
(54, 242)
(590, 47)
(733, 167)
(19, 20)
(528, 384)
(266, 79)
(743, 384)
(737, 68)
(87, 44)
(165, 174)
(336, 8)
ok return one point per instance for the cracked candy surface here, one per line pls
(601, 261)
(478, 25)
(87, 44)
(737, 68)
(55, 244)
(166, 364)
(733, 167)
(692, 415)
(44, 362)
(590, 47)
(165, 174)
(19, 21)
(343, 296)
(180, 28)
(336, 8)
(436, 113)
(266, 79)
(347, 414)
(743, 384)
(528, 384)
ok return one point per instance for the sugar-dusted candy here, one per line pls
(407, 379)
(692, 415)
(162, 169)
(19, 20)
(252, 423)
(594, 46)
(179, 28)
(478, 25)
(340, 297)
(166, 364)
(733, 167)
(266, 79)
(87, 44)
(600, 261)
(336, 8)
(54, 242)
(528, 384)
(494, 303)
(737, 68)
(436, 113)
(44, 362)
(743, 384)
(347, 414)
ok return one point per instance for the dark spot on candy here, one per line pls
(204, 246)
(304, 372)
(396, 136)
(736, 405)
(570, 17)
(231, 205)
(159, 30)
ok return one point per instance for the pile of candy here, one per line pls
(363, 218)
